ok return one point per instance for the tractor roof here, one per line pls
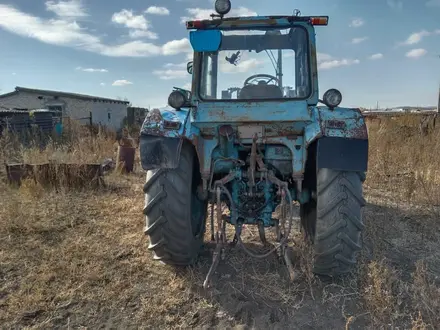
(254, 22)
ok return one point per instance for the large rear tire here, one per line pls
(175, 216)
(334, 222)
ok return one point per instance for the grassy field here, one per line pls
(79, 259)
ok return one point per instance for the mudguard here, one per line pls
(342, 154)
(341, 139)
(159, 152)
(161, 138)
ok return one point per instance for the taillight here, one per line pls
(195, 25)
(321, 20)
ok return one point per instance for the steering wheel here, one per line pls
(261, 75)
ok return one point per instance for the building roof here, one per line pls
(5, 112)
(10, 112)
(61, 94)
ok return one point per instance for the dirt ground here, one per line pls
(79, 260)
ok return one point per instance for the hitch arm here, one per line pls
(220, 238)
(253, 164)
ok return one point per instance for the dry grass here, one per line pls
(79, 259)
(76, 146)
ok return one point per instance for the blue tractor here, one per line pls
(261, 144)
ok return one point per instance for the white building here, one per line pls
(108, 112)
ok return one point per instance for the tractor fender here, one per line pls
(341, 139)
(161, 138)
(342, 154)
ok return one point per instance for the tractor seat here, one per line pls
(260, 92)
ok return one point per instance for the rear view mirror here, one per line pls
(189, 67)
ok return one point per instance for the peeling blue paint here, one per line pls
(154, 124)
(222, 131)
(296, 127)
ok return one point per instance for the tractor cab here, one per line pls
(267, 58)
(279, 58)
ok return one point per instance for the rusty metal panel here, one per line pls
(249, 131)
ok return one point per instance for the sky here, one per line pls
(382, 52)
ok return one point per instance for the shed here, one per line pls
(104, 111)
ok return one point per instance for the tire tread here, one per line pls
(168, 212)
(338, 221)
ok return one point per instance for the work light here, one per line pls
(176, 99)
(332, 98)
(222, 7)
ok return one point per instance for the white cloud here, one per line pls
(91, 69)
(196, 14)
(394, 4)
(199, 13)
(177, 46)
(171, 74)
(242, 12)
(132, 49)
(337, 63)
(70, 34)
(433, 3)
(322, 57)
(172, 71)
(416, 37)
(102, 84)
(122, 82)
(139, 26)
(326, 62)
(358, 40)
(134, 34)
(357, 22)
(128, 19)
(153, 10)
(175, 65)
(66, 9)
(377, 56)
(243, 67)
(52, 31)
(189, 56)
(416, 53)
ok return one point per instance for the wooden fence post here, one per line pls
(91, 124)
